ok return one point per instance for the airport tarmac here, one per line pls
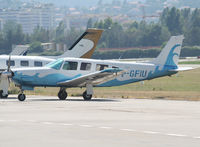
(47, 121)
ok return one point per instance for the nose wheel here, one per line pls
(21, 97)
(62, 94)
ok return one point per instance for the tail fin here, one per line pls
(85, 45)
(170, 54)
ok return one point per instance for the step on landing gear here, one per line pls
(62, 94)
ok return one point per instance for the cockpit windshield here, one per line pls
(55, 64)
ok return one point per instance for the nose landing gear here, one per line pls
(21, 97)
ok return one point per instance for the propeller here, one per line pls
(5, 79)
(9, 60)
(8, 73)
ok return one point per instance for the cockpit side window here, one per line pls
(101, 67)
(69, 65)
(55, 64)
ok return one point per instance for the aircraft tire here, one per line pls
(86, 96)
(3, 96)
(21, 97)
(62, 95)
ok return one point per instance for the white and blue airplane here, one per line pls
(83, 47)
(89, 73)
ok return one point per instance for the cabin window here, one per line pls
(37, 63)
(24, 63)
(12, 63)
(101, 67)
(85, 66)
(68, 65)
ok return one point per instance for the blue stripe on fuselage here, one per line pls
(35, 80)
(136, 77)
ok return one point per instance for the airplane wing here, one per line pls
(93, 78)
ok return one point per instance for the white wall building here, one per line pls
(29, 18)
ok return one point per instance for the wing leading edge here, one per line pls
(94, 78)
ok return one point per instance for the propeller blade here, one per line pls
(9, 60)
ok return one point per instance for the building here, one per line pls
(30, 18)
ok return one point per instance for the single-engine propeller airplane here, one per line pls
(89, 73)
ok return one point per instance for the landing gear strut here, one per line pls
(62, 94)
(87, 95)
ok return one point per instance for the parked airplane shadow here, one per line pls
(12, 98)
(75, 99)
(68, 99)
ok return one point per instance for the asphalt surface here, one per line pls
(46, 121)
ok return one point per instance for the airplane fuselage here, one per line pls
(23, 61)
(51, 75)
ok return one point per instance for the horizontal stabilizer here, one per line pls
(182, 69)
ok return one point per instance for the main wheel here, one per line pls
(3, 96)
(1, 92)
(62, 95)
(86, 96)
(21, 97)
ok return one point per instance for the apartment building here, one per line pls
(29, 18)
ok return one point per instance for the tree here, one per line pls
(192, 36)
(40, 34)
(60, 32)
(108, 23)
(173, 20)
(36, 47)
(18, 35)
(89, 23)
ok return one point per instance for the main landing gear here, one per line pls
(2, 95)
(87, 95)
(62, 94)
